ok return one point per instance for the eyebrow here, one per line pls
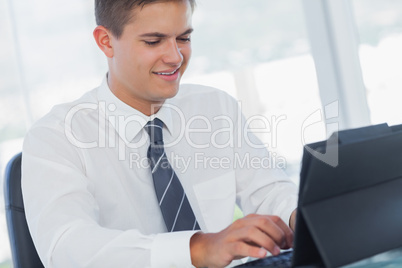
(161, 35)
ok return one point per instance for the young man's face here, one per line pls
(152, 54)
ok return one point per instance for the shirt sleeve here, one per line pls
(262, 186)
(63, 215)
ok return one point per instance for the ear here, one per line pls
(103, 38)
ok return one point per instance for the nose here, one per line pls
(173, 55)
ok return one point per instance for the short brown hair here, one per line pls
(115, 14)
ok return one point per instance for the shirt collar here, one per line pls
(127, 121)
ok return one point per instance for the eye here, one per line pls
(184, 40)
(152, 43)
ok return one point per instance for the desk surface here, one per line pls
(390, 259)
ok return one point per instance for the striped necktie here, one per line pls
(173, 202)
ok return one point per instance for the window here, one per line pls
(259, 53)
(380, 32)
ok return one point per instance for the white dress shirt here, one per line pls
(88, 190)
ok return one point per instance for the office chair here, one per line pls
(22, 248)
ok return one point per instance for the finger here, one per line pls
(241, 249)
(273, 226)
(253, 236)
(277, 229)
(270, 229)
(288, 233)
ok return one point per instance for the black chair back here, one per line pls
(22, 248)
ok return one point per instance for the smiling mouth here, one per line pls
(164, 73)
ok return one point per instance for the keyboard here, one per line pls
(283, 260)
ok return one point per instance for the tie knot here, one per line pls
(154, 130)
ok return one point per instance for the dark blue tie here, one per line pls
(173, 202)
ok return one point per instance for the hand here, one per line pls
(292, 220)
(251, 236)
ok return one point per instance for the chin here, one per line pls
(171, 91)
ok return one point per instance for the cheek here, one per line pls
(186, 52)
(147, 57)
(123, 58)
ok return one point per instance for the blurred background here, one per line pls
(308, 66)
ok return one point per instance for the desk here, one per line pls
(390, 259)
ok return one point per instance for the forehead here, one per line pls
(165, 16)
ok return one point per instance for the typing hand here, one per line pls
(292, 221)
(251, 236)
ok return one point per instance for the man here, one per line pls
(92, 201)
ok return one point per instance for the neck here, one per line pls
(148, 108)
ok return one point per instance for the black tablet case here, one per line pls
(353, 210)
